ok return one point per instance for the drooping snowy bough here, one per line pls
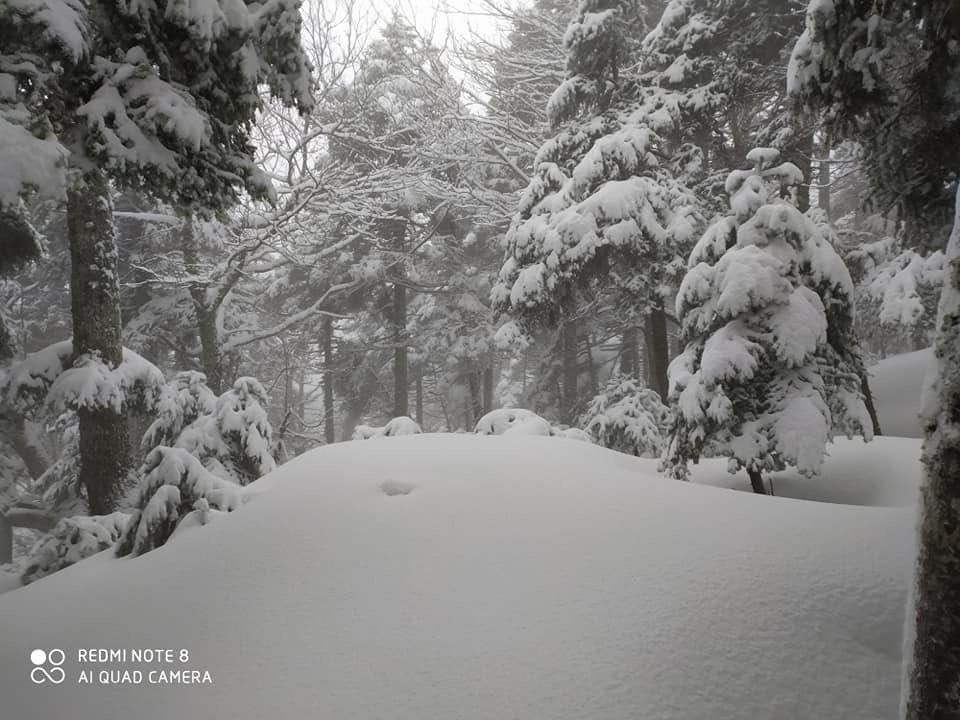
(771, 366)
(176, 484)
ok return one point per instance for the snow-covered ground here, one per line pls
(897, 384)
(432, 577)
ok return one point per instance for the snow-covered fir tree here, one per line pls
(607, 209)
(235, 440)
(175, 486)
(771, 367)
(627, 417)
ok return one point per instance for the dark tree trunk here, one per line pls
(658, 352)
(934, 674)
(6, 541)
(756, 482)
(329, 428)
(629, 357)
(104, 441)
(418, 406)
(868, 401)
(211, 359)
(591, 367)
(802, 158)
(476, 399)
(936, 663)
(487, 390)
(571, 371)
(823, 192)
(401, 380)
(7, 344)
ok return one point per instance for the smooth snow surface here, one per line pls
(897, 384)
(434, 577)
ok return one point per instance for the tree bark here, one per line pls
(934, 673)
(823, 180)
(756, 482)
(658, 352)
(329, 426)
(6, 541)
(401, 379)
(571, 371)
(803, 160)
(104, 441)
(868, 401)
(487, 390)
(211, 359)
(475, 408)
(418, 403)
(629, 358)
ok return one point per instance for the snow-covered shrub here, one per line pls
(771, 368)
(572, 433)
(175, 485)
(366, 432)
(235, 441)
(627, 417)
(515, 421)
(71, 540)
(182, 401)
(402, 425)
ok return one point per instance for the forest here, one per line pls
(246, 246)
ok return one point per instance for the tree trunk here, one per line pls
(932, 678)
(487, 390)
(211, 358)
(418, 406)
(401, 380)
(756, 482)
(658, 352)
(329, 428)
(629, 358)
(571, 372)
(591, 367)
(868, 401)
(6, 541)
(476, 398)
(803, 160)
(823, 192)
(105, 449)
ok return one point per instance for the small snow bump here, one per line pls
(396, 487)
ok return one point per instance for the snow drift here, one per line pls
(432, 577)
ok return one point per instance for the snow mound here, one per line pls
(451, 576)
(897, 385)
(515, 421)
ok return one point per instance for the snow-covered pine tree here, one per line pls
(235, 441)
(175, 485)
(771, 366)
(627, 417)
(607, 208)
(722, 61)
(182, 401)
(153, 96)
